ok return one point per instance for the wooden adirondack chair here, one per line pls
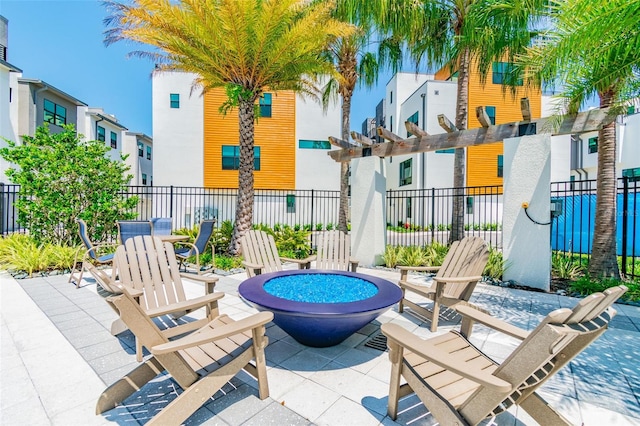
(261, 254)
(334, 252)
(201, 362)
(459, 384)
(454, 282)
(148, 267)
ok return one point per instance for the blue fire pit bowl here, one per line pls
(315, 314)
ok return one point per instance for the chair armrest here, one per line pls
(134, 292)
(304, 261)
(187, 305)
(404, 270)
(418, 288)
(476, 315)
(206, 334)
(193, 247)
(209, 282)
(451, 362)
(457, 279)
(255, 266)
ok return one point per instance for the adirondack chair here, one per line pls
(454, 282)
(148, 267)
(261, 254)
(334, 252)
(205, 231)
(201, 362)
(459, 384)
(89, 255)
(131, 228)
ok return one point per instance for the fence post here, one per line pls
(2, 203)
(171, 201)
(433, 214)
(625, 224)
(312, 209)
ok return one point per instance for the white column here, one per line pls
(368, 210)
(527, 179)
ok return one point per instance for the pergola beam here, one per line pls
(446, 124)
(341, 143)
(526, 109)
(362, 139)
(587, 121)
(414, 129)
(483, 117)
(388, 135)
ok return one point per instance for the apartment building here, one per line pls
(196, 145)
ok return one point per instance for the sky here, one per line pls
(61, 42)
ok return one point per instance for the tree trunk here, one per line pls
(343, 217)
(604, 261)
(462, 106)
(244, 204)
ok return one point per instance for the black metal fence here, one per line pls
(573, 220)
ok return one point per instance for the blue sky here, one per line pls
(61, 42)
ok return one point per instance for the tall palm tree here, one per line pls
(594, 48)
(245, 46)
(460, 34)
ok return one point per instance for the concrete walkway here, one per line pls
(57, 356)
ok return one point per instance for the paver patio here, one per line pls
(57, 356)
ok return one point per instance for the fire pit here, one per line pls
(320, 308)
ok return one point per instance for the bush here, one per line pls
(22, 253)
(391, 255)
(62, 178)
(295, 243)
(496, 265)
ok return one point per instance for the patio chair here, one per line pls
(454, 282)
(261, 254)
(131, 228)
(205, 231)
(459, 384)
(201, 362)
(161, 225)
(334, 252)
(91, 259)
(148, 267)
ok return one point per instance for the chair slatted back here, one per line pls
(334, 251)
(465, 258)
(562, 335)
(258, 247)
(131, 228)
(152, 267)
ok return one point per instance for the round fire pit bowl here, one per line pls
(320, 308)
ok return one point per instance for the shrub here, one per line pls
(496, 265)
(411, 256)
(227, 263)
(23, 253)
(434, 253)
(390, 256)
(565, 267)
(295, 243)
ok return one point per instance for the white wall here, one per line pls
(629, 143)
(314, 168)
(7, 129)
(560, 158)
(178, 133)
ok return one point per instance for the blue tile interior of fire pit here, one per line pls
(320, 288)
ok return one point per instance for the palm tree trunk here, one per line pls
(604, 261)
(462, 106)
(343, 216)
(244, 204)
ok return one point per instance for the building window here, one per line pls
(491, 112)
(174, 100)
(446, 151)
(409, 208)
(291, 203)
(500, 165)
(391, 97)
(265, 105)
(405, 172)
(140, 149)
(114, 140)
(101, 134)
(413, 119)
(632, 174)
(593, 145)
(54, 113)
(144, 178)
(503, 74)
(306, 144)
(391, 124)
(231, 157)
(148, 153)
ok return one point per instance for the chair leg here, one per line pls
(395, 356)
(400, 303)
(138, 350)
(435, 316)
(541, 412)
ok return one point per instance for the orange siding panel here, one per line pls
(274, 135)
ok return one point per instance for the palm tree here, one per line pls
(458, 33)
(594, 48)
(245, 46)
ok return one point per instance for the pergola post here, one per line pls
(368, 210)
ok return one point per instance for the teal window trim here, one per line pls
(406, 172)
(144, 178)
(500, 166)
(266, 102)
(446, 151)
(231, 157)
(140, 149)
(491, 112)
(100, 134)
(54, 113)
(501, 73)
(414, 118)
(593, 145)
(291, 203)
(309, 144)
(114, 140)
(148, 153)
(632, 174)
(174, 100)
